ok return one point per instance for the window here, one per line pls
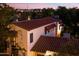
(31, 37)
(46, 30)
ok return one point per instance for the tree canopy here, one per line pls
(70, 19)
(6, 13)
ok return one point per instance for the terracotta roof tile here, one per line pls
(51, 26)
(32, 24)
(45, 43)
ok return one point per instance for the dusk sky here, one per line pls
(42, 5)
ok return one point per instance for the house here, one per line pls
(30, 32)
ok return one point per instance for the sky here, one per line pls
(42, 5)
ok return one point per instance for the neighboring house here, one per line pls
(29, 32)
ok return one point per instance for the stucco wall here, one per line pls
(52, 32)
(21, 38)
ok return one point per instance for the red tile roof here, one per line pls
(51, 26)
(32, 24)
(45, 43)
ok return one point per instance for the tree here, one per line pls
(69, 18)
(6, 13)
(47, 12)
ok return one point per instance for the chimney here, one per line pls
(59, 29)
(16, 20)
(29, 18)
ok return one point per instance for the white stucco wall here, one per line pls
(36, 34)
(52, 32)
